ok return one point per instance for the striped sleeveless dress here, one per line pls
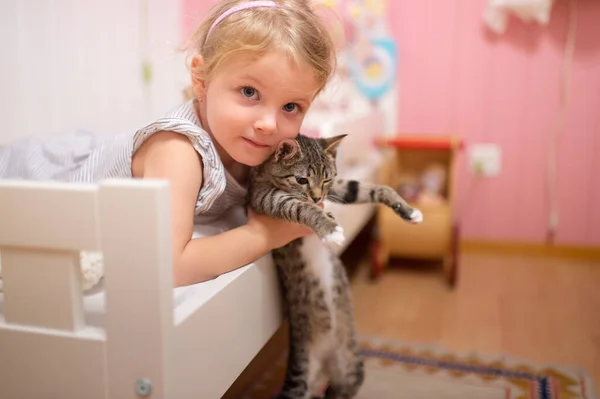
(85, 157)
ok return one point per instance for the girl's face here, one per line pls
(251, 104)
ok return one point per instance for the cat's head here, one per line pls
(305, 166)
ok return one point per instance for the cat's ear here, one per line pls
(287, 150)
(331, 144)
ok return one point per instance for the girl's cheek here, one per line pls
(290, 132)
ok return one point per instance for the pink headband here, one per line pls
(239, 7)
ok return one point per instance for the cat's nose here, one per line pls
(316, 195)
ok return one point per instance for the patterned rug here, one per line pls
(402, 371)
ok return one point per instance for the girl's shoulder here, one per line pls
(184, 120)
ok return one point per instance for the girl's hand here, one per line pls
(277, 232)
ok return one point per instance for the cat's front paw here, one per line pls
(409, 214)
(335, 237)
(416, 216)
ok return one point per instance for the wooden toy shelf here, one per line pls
(414, 158)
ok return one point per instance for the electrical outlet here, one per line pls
(485, 159)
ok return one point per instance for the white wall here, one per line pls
(69, 64)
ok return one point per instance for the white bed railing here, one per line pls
(43, 227)
(146, 346)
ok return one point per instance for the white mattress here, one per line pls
(95, 304)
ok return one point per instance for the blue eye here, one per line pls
(290, 107)
(248, 91)
(301, 180)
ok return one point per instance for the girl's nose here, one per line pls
(266, 123)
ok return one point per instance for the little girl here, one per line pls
(257, 67)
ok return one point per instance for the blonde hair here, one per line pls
(293, 28)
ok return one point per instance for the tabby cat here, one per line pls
(291, 185)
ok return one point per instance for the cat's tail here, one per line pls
(355, 192)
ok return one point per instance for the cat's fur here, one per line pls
(289, 185)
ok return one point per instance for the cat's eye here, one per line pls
(301, 180)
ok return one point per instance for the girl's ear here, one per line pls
(287, 150)
(331, 144)
(197, 72)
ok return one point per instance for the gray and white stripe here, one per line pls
(86, 157)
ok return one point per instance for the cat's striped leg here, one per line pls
(296, 383)
(346, 374)
(355, 192)
(282, 205)
(315, 376)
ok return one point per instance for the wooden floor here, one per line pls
(543, 310)
(540, 309)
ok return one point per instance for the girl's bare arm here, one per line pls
(171, 156)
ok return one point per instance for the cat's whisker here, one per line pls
(336, 199)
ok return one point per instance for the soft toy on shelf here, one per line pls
(408, 187)
(433, 180)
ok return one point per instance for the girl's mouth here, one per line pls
(255, 144)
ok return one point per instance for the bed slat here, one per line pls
(42, 288)
(48, 215)
(135, 221)
(41, 364)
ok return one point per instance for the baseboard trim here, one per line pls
(532, 249)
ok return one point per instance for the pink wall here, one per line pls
(455, 76)
(192, 13)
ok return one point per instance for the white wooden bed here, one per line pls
(188, 342)
(137, 337)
